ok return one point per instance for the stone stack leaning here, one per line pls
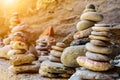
(21, 60)
(56, 52)
(87, 20)
(98, 50)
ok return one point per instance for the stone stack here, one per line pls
(44, 43)
(20, 58)
(56, 52)
(53, 67)
(87, 20)
(14, 21)
(97, 55)
(42, 48)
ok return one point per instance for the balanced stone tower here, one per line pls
(44, 43)
(14, 21)
(54, 67)
(21, 59)
(97, 57)
(56, 52)
(81, 37)
(87, 20)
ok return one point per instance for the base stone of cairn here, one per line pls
(4, 64)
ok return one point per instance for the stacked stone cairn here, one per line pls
(87, 20)
(44, 43)
(97, 61)
(14, 21)
(56, 52)
(21, 59)
(53, 67)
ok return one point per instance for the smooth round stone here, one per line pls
(4, 50)
(57, 48)
(56, 53)
(93, 65)
(41, 48)
(18, 45)
(101, 29)
(60, 44)
(53, 67)
(54, 59)
(82, 34)
(91, 75)
(20, 59)
(89, 10)
(103, 25)
(103, 33)
(29, 68)
(98, 43)
(103, 38)
(96, 56)
(98, 49)
(6, 41)
(81, 41)
(90, 6)
(69, 55)
(84, 24)
(14, 52)
(92, 16)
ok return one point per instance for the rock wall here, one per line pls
(61, 14)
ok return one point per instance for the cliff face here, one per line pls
(61, 14)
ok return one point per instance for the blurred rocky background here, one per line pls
(61, 14)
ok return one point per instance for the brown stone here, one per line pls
(93, 65)
(20, 59)
(29, 68)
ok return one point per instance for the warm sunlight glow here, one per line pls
(9, 1)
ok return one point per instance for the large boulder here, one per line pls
(69, 55)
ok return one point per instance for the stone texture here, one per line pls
(92, 16)
(69, 55)
(84, 24)
(98, 49)
(81, 41)
(92, 64)
(4, 64)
